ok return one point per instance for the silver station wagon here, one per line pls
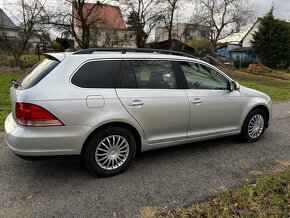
(108, 104)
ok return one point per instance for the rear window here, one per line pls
(36, 73)
(97, 74)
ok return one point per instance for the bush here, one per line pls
(27, 60)
(271, 42)
(245, 62)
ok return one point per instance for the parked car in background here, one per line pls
(108, 104)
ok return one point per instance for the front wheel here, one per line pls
(110, 151)
(254, 125)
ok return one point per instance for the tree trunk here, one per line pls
(17, 59)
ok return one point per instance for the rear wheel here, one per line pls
(254, 125)
(110, 151)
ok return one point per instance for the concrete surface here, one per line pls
(162, 179)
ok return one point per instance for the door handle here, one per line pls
(197, 101)
(136, 103)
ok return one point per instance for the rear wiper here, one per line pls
(15, 82)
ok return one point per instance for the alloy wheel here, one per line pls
(256, 126)
(112, 152)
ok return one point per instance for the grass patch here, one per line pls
(5, 105)
(27, 60)
(277, 89)
(269, 197)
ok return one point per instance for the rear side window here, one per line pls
(96, 74)
(36, 73)
(149, 74)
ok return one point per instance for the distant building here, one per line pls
(241, 53)
(176, 46)
(183, 32)
(246, 40)
(7, 27)
(109, 30)
(248, 37)
(225, 48)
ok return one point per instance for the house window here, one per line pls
(175, 32)
(187, 33)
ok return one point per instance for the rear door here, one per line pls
(148, 89)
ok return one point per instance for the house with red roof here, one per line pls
(108, 29)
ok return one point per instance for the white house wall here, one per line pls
(248, 38)
(11, 33)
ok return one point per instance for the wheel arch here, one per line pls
(263, 108)
(128, 126)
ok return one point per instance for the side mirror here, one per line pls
(234, 86)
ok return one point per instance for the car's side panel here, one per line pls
(218, 112)
(164, 115)
(251, 99)
(146, 146)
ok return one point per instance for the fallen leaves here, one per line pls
(30, 196)
(255, 172)
(148, 212)
(284, 163)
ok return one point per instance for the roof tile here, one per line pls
(106, 16)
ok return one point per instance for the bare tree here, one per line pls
(78, 20)
(222, 18)
(168, 18)
(143, 16)
(29, 14)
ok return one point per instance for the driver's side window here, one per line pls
(199, 76)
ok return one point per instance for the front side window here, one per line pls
(96, 74)
(199, 76)
(149, 74)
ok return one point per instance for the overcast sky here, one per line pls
(282, 8)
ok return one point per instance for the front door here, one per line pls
(214, 109)
(148, 90)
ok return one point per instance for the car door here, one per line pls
(214, 108)
(148, 89)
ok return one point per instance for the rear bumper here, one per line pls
(44, 141)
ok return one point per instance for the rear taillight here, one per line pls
(33, 115)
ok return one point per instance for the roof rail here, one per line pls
(125, 50)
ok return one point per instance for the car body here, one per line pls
(157, 97)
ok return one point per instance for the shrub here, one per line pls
(26, 59)
(271, 42)
(245, 62)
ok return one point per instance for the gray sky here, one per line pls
(282, 8)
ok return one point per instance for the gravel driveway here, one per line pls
(161, 179)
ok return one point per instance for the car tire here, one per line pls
(110, 151)
(254, 126)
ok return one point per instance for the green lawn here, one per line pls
(277, 89)
(269, 197)
(27, 60)
(5, 105)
